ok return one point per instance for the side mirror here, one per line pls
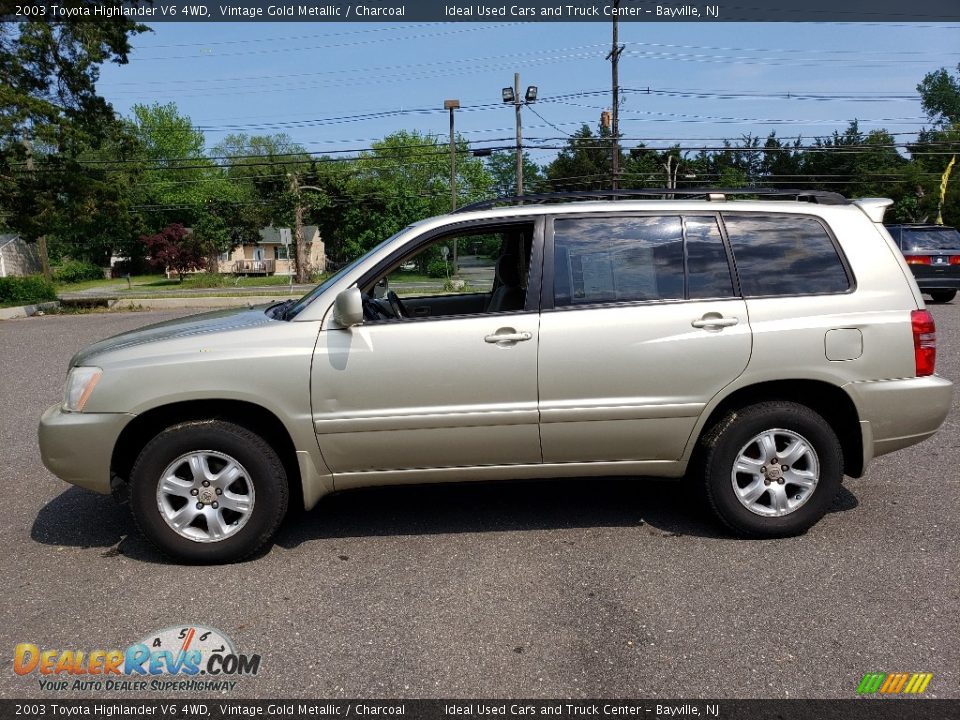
(348, 308)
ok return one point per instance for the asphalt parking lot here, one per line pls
(580, 588)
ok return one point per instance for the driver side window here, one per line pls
(473, 272)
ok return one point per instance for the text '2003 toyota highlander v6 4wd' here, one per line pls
(765, 345)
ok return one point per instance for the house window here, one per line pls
(280, 252)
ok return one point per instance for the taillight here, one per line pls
(924, 342)
(955, 259)
(918, 260)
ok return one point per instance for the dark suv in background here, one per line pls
(933, 254)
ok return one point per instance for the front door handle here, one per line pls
(508, 336)
(715, 320)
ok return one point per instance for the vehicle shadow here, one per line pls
(78, 518)
(666, 507)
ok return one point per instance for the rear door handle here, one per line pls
(507, 336)
(715, 320)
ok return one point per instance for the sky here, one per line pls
(336, 87)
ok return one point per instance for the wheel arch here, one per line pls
(256, 418)
(831, 402)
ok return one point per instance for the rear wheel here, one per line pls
(771, 469)
(943, 296)
(208, 491)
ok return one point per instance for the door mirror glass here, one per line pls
(348, 308)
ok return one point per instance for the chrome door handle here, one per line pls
(508, 335)
(712, 320)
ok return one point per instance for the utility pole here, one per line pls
(452, 105)
(614, 58)
(42, 240)
(517, 105)
(512, 95)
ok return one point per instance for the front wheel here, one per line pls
(208, 491)
(943, 296)
(771, 469)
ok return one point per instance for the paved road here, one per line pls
(578, 588)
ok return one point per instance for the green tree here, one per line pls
(502, 167)
(51, 114)
(262, 167)
(404, 178)
(781, 162)
(273, 173)
(940, 96)
(642, 168)
(584, 163)
(180, 184)
(95, 218)
(937, 146)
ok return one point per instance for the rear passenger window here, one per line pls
(633, 259)
(784, 255)
(617, 260)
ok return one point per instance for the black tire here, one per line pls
(265, 472)
(943, 296)
(722, 445)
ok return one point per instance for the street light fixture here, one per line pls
(512, 96)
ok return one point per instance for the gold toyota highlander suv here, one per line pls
(766, 345)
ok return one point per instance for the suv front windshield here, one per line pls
(300, 304)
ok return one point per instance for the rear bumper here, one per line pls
(895, 414)
(949, 280)
(78, 447)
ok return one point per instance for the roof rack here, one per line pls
(714, 194)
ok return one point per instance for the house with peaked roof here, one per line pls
(270, 256)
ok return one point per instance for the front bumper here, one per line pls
(78, 447)
(895, 414)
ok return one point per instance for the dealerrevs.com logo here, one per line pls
(185, 658)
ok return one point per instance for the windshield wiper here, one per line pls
(280, 310)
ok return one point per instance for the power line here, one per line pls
(312, 46)
(288, 38)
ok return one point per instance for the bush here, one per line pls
(437, 268)
(28, 290)
(74, 271)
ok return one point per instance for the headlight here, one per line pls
(80, 383)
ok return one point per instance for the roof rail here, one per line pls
(715, 194)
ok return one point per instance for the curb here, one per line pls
(27, 310)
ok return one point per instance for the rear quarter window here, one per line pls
(785, 255)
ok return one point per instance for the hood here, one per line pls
(207, 323)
